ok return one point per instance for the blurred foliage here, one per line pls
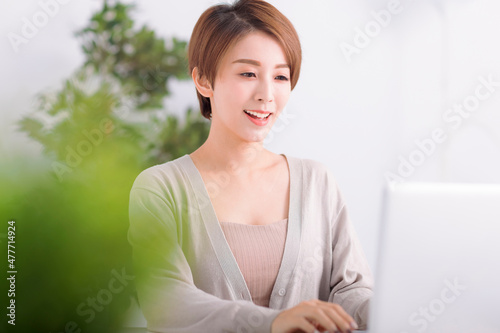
(70, 241)
(124, 79)
(103, 126)
(173, 135)
(86, 103)
(136, 58)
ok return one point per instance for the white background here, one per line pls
(360, 116)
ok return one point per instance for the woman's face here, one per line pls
(251, 88)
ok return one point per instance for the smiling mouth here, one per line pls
(257, 115)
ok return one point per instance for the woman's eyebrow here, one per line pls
(257, 63)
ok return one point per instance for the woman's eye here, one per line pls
(248, 74)
(282, 78)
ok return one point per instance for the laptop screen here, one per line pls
(439, 259)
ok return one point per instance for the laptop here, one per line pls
(439, 260)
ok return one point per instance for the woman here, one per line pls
(233, 237)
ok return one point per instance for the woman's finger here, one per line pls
(344, 315)
(343, 324)
(305, 325)
(319, 316)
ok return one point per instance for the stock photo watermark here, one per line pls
(254, 320)
(75, 155)
(94, 137)
(11, 272)
(364, 36)
(154, 77)
(453, 117)
(280, 125)
(88, 308)
(425, 315)
(31, 26)
(116, 285)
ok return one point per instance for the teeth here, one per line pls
(258, 115)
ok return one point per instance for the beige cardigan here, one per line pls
(188, 280)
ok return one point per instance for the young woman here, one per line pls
(233, 237)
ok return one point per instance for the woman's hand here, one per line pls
(313, 315)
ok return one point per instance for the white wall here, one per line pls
(361, 116)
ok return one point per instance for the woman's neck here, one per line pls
(239, 158)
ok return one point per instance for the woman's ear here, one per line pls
(202, 85)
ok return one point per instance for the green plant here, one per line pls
(103, 126)
(124, 81)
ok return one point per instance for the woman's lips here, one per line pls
(258, 113)
(255, 119)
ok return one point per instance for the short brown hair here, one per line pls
(222, 26)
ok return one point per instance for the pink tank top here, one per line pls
(258, 250)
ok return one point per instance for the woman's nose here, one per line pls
(264, 92)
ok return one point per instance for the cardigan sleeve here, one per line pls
(167, 295)
(351, 279)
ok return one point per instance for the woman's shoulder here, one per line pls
(316, 174)
(311, 167)
(161, 175)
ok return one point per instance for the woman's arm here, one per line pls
(351, 280)
(167, 295)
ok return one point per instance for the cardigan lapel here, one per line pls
(223, 251)
(293, 235)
